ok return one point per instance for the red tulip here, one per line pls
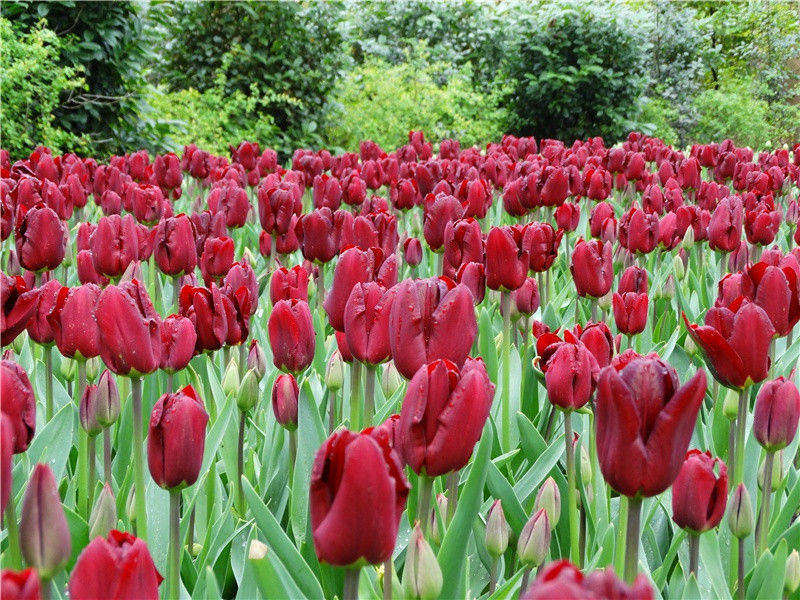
(638, 230)
(526, 297)
(776, 414)
(289, 284)
(561, 579)
(130, 329)
(317, 235)
(430, 319)
(41, 238)
(20, 585)
(568, 216)
(506, 260)
(119, 567)
(463, 243)
(439, 211)
(18, 404)
(178, 341)
(725, 226)
(412, 251)
(570, 376)
(735, 344)
(18, 307)
(598, 340)
(357, 494)
(700, 492)
(601, 213)
(592, 268)
(541, 242)
(232, 201)
(633, 279)
(204, 307)
(73, 322)
(265, 244)
(167, 172)
(216, 259)
(404, 194)
(644, 424)
(241, 275)
(285, 394)
(145, 201)
(115, 244)
(776, 289)
(354, 266)
(327, 192)
(366, 322)
(176, 439)
(630, 312)
(291, 335)
(761, 225)
(473, 275)
(39, 327)
(174, 246)
(443, 415)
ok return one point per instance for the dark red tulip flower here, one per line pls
(176, 439)
(366, 322)
(216, 259)
(633, 279)
(291, 335)
(86, 271)
(289, 284)
(207, 225)
(18, 404)
(119, 567)
(735, 344)
(7, 441)
(404, 194)
(644, 424)
(570, 376)
(541, 242)
(265, 244)
(439, 211)
(317, 235)
(776, 289)
(630, 312)
(725, 226)
(130, 330)
(430, 319)
(205, 308)
(599, 341)
(20, 585)
(110, 203)
(475, 196)
(39, 327)
(73, 322)
(700, 492)
(232, 201)
(443, 414)
(463, 243)
(526, 297)
(357, 494)
(506, 259)
(327, 192)
(592, 268)
(473, 275)
(561, 579)
(354, 266)
(285, 394)
(601, 213)
(18, 306)
(174, 246)
(638, 230)
(776, 414)
(761, 225)
(115, 244)
(242, 275)
(567, 216)
(145, 201)
(412, 251)
(178, 341)
(167, 172)
(41, 238)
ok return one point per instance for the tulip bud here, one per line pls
(740, 513)
(108, 406)
(93, 367)
(689, 346)
(285, 394)
(586, 468)
(391, 380)
(605, 302)
(496, 530)
(256, 360)
(730, 406)
(334, 371)
(130, 505)
(678, 268)
(688, 239)
(422, 577)
(549, 498)
(104, 514)
(87, 411)
(248, 391)
(791, 580)
(69, 368)
(534, 540)
(43, 531)
(433, 527)
(777, 472)
(230, 380)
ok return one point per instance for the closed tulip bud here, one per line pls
(740, 513)
(496, 530)
(334, 371)
(41, 238)
(87, 411)
(534, 540)
(586, 468)
(570, 376)
(176, 439)
(549, 498)
(256, 359)
(422, 577)
(284, 401)
(699, 494)
(43, 531)
(108, 405)
(777, 472)
(20, 585)
(591, 267)
(776, 414)
(678, 268)
(433, 526)
(607, 301)
(248, 394)
(130, 505)
(791, 580)
(104, 514)
(688, 239)
(391, 380)
(230, 379)
(18, 403)
(291, 335)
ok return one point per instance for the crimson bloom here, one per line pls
(630, 312)
(366, 322)
(205, 308)
(644, 424)
(541, 242)
(506, 260)
(115, 244)
(178, 341)
(570, 375)
(39, 327)
(174, 246)
(73, 321)
(776, 414)
(289, 284)
(41, 239)
(18, 307)
(354, 266)
(291, 335)
(18, 404)
(285, 394)
(20, 585)
(357, 494)
(592, 268)
(561, 579)
(700, 492)
(217, 258)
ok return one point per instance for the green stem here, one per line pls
(493, 576)
(572, 505)
(107, 454)
(632, 539)
(452, 494)
(174, 572)
(741, 422)
(240, 465)
(369, 394)
(355, 396)
(211, 493)
(12, 557)
(83, 447)
(91, 447)
(622, 520)
(694, 552)
(740, 570)
(388, 567)
(350, 589)
(425, 484)
(48, 381)
(505, 298)
(138, 458)
(766, 495)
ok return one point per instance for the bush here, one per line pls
(31, 84)
(383, 102)
(734, 112)
(656, 119)
(575, 73)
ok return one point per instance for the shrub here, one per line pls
(576, 72)
(383, 102)
(732, 111)
(31, 84)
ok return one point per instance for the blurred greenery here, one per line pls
(114, 76)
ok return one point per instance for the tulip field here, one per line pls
(531, 370)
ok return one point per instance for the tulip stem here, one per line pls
(12, 557)
(331, 410)
(622, 520)
(176, 291)
(48, 381)
(763, 518)
(452, 494)
(388, 565)
(83, 448)
(350, 589)
(240, 465)
(369, 394)
(493, 576)
(170, 383)
(320, 280)
(505, 307)
(694, 552)
(138, 458)
(355, 396)
(741, 422)
(424, 501)
(526, 575)
(632, 539)
(740, 571)
(174, 543)
(572, 506)
(91, 446)
(107, 454)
